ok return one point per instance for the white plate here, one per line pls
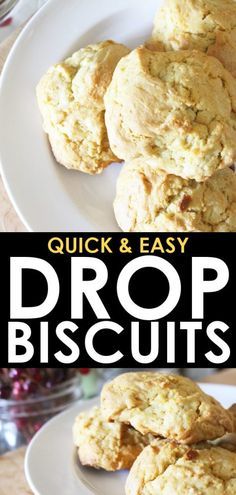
(47, 196)
(51, 466)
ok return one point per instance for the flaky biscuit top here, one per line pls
(149, 200)
(167, 468)
(170, 406)
(173, 108)
(110, 446)
(71, 100)
(206, 25)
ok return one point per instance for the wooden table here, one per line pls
(12, 479)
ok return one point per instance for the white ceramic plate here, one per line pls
(51, 465)
(47, 196)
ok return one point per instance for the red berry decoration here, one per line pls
(5, 391)
(30, 387)
(84, 371)
(24, 386)
(18, 392)
(7, 22)
(15, 373)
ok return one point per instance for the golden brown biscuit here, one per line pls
(206, 25)
(232, 409)
(71, 100)
(229, 441)
(166, 468)
(110, 446)
(149, 200)
(175, 110)
(169, 406)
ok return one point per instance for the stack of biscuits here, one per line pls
(164, 429)
(167, 109)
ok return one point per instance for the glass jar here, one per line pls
(21, 419)
(6, 6)
(15, 13)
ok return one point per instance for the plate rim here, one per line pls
(30, 214)
(86, 404)
(81, 402)
(29, 24)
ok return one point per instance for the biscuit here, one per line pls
(169, 406)
(71, 100)
(149, 200)
(175, 109)
(229, 441)
(232, 409)
(206, 25)
(166, 468)
(110, 446)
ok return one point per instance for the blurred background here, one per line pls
(14, 13)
